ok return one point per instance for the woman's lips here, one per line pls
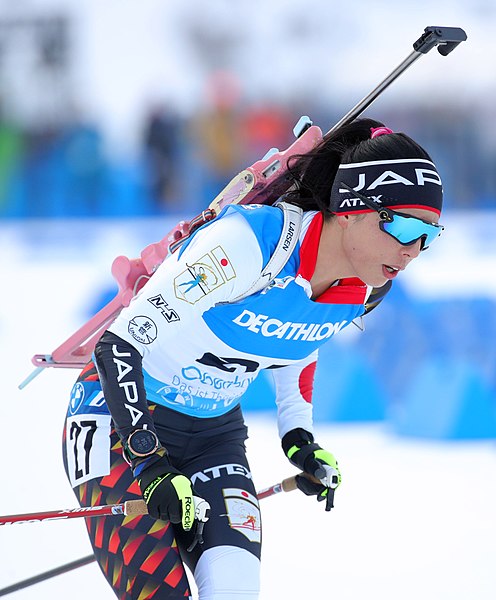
(389, 271)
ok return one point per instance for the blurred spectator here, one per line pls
(266, 126)
(63, 170)
(11, 149)
(161, 145)
(60, 169)
(81, 147)
(217, 136)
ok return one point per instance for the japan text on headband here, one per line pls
(398, 183)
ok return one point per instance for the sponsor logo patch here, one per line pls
(243, 513)
(87, 397)
(193, 373)
(77, 397)
(168, 313)
(143, 329)
(287, 330)
(219, 471)
(229, 365)
(289, 236)
(198, 280)
(204, 276)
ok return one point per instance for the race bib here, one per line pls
(88, 447)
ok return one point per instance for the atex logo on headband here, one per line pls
(400, 182)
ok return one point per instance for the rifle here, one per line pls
(261, 183)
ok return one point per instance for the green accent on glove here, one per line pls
(327, 458)
(168, 493)
(182, 485)
(147, 494)
(292, 450)
(321, 475)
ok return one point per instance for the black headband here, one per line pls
(401, 183)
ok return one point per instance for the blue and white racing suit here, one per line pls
(199, 351)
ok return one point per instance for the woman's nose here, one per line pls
(412, 250)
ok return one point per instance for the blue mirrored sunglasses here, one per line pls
(406, 229)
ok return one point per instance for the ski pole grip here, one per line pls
(134, 508)
(289, 484)
(446, 38)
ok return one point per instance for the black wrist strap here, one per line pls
(296, 437)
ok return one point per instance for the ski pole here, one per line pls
(135, 506)
(129, 508)
(20, 585)
(286, 485)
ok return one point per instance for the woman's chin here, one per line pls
(375, 280)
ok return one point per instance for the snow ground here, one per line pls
(413, 519)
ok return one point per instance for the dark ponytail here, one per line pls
(313, 174)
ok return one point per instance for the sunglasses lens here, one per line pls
(409, 229)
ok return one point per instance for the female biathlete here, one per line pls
(156, 414)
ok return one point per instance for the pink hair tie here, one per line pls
(377, 131)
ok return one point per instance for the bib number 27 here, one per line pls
(88, 447)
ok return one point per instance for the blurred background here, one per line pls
(118, 114)
(119, 118)
(118, 110)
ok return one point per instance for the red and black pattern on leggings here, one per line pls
(89, 373)
(138, 555)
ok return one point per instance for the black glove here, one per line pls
(170, 496)
(320, 465)
(315, 488)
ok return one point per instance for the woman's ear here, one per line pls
(343, 221)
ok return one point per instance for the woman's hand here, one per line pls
(320, 465)
(170, 496)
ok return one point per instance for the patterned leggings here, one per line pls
(142, 557)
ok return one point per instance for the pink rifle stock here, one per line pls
(254, 184)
